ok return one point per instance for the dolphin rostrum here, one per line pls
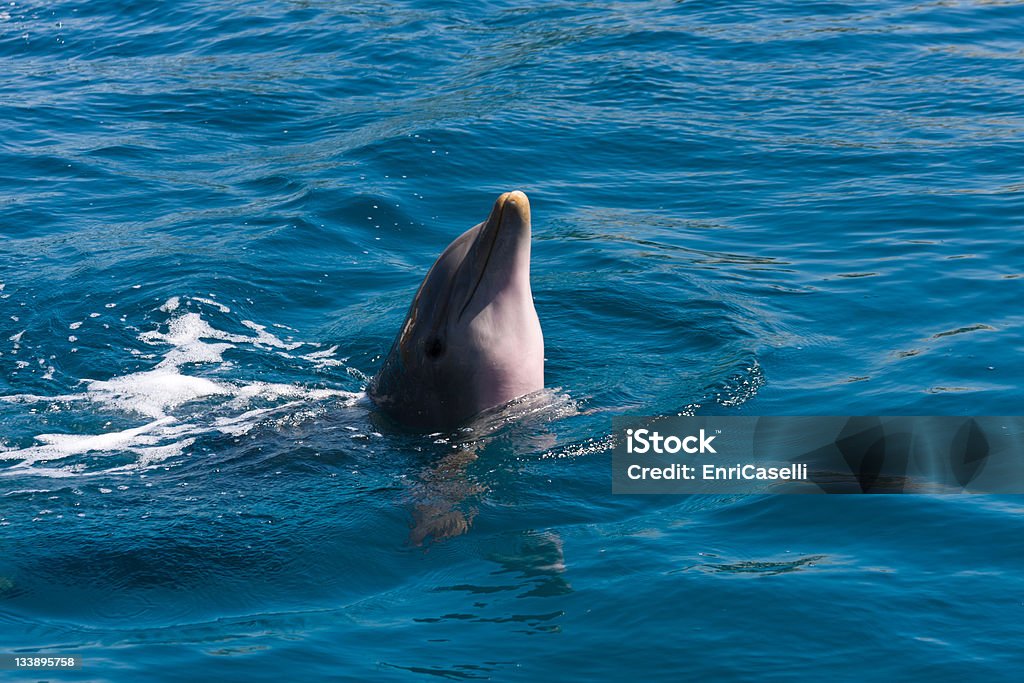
(471, 340)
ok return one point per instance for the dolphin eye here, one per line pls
(434, 347)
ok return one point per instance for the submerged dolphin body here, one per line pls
(471, 339)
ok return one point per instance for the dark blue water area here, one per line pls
(214, 216)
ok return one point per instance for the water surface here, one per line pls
(214, 218)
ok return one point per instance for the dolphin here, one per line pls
(471, 340)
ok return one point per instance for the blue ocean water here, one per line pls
(214, 216)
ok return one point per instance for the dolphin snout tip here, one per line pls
(517, 201)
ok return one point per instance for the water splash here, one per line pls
(183, 396)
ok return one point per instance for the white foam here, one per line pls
(57, 446)
(152, 455)
(216, 304)
(246, 393)
(185, 335)
(323, 359)
(163, 393)
(153, 393)
(33, 398)
(326, 353)
(241, 424)
(186, 329)
(265, 338)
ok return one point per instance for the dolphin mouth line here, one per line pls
(487, 261)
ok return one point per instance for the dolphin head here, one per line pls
(471, 339)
